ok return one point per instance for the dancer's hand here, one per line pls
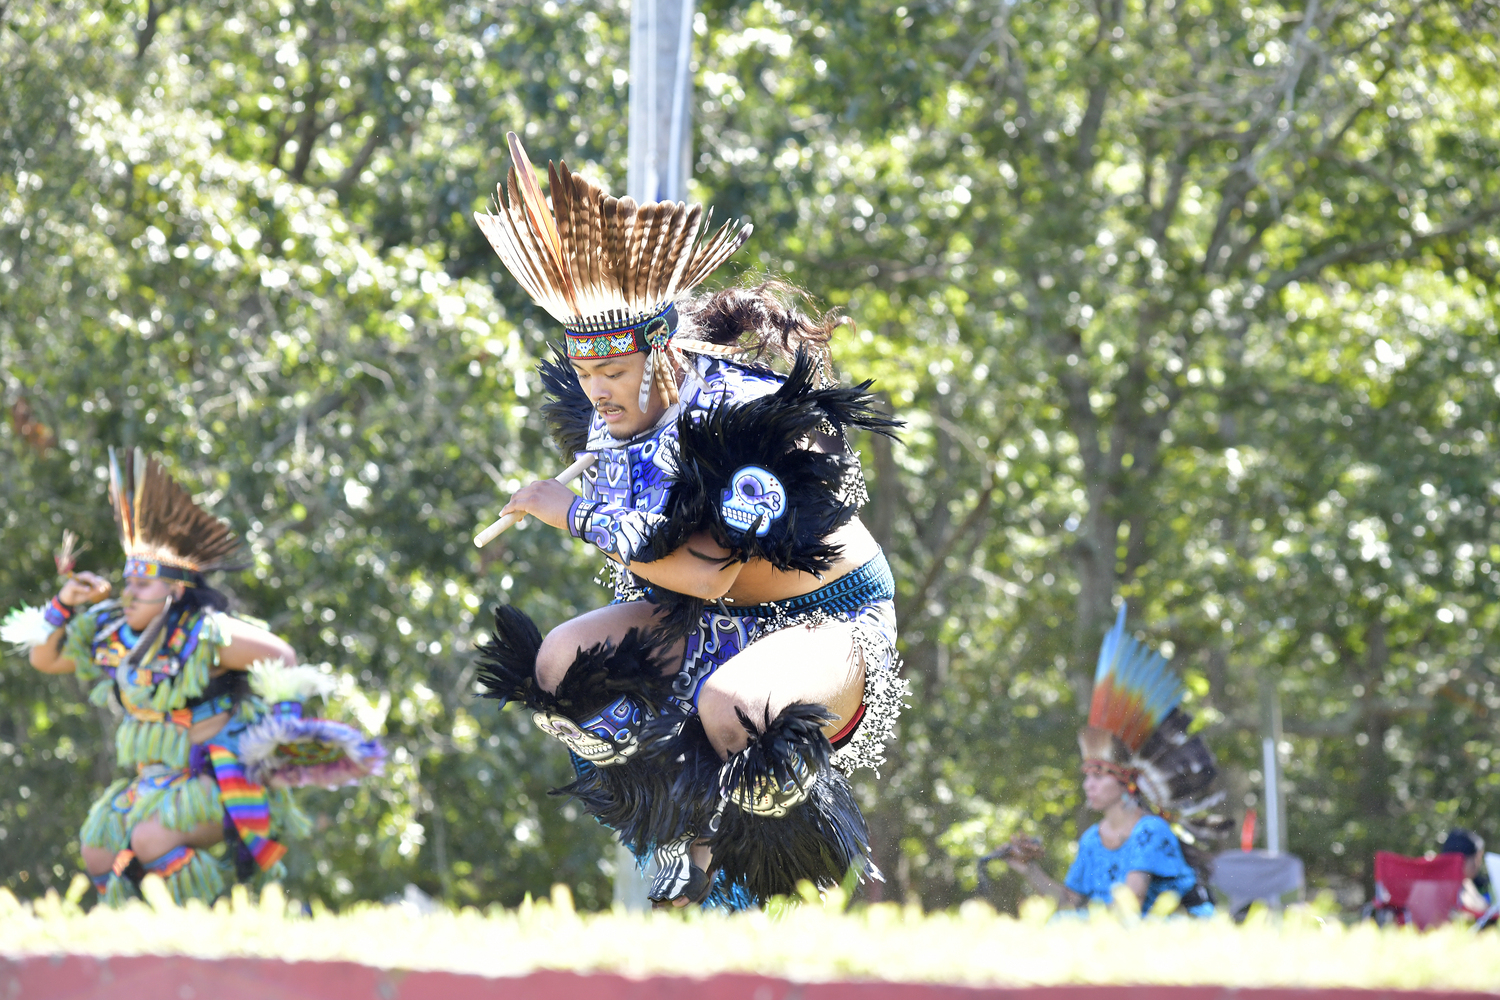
(1021, 852)
(546, 500)
(84, 588)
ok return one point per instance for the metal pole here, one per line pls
(1270, 715)
(659, 140)
(659, 143)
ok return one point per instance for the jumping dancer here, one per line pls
(748, 661)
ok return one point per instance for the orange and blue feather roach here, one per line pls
(1134, 688)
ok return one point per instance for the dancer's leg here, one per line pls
(781, 812)
(817, 665)
(151, 840)
(607, 624)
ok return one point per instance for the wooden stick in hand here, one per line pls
(565, 477)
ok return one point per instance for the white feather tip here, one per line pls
(274, 681)
(25, 628)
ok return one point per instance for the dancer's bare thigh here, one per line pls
(821, 665)
(611, 623)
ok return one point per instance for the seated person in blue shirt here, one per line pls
(1136, 743)
(1129, 846)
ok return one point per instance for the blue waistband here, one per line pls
(210, 707)
(870, 584)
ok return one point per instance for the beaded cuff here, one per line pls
(57, 613)
(578, 516)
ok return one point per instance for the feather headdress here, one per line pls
(609, 270)
(1138, 732)
(163, 532)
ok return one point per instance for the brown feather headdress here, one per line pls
(163, 532)
(607, 269)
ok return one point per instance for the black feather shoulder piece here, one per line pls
(567, 410)
(746, 473)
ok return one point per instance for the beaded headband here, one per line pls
(650, 332)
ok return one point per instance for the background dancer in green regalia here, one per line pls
(212, 734)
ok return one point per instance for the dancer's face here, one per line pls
(613, 385)
(144, 597)
(1101, 791)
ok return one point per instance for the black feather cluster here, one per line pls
(597, 676)
(1179, 772)
(667, 789)
(604, 672)
(567, 410)
(507, 663)
(770, 433)
(819, 839)
(635, 796)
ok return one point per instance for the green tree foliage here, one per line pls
(1185, 302)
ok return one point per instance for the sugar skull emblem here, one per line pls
(755, 498)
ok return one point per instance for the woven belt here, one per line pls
(183, 717)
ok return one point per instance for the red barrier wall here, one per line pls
(75, 977)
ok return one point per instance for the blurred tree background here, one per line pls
(1186, 303)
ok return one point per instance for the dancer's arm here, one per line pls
(247, 644)
(81, 590)
(701, 568)
(1048, 886)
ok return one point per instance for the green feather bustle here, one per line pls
(202, 878)
(181, 806)
(105, 826)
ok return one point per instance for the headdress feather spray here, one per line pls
(607, 268)
(160, 524)
(1137, 729)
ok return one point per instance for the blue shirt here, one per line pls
(1152, 848)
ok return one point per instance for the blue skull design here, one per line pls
(754, 499)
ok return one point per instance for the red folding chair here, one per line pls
(1420, 891)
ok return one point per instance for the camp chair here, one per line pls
(1491, 866)
(1245, 876)
(1420, 891)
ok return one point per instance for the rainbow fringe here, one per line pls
(246, 805)
(172, 862)
(1134, 689)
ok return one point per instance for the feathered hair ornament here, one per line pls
(66, 556)
(163, 532)
(609, 270)
(1138, 733)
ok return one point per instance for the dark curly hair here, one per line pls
(766, 320)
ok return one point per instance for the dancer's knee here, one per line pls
(719, 709)
(150, 840)
(98, 860)
(558, 651)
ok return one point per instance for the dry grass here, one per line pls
(808, 942)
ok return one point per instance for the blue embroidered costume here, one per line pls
(1152, 848)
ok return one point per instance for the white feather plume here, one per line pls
(25, 628)
(274, 681)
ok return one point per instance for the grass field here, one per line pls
(814, 941)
